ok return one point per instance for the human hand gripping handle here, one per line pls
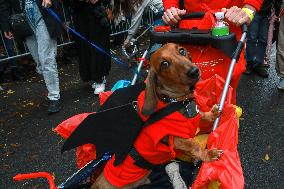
(9, 35)
(173, 15)
(46, 3)
(239, 16)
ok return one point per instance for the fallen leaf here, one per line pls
(10, 91)
(7, 154)
(15, 145)
(34, 157)
(266, 157)
(30, 104)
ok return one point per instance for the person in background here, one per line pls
(212, 61)
(155, 5)
(91, 19)
(9, 48)
(257, 40)
(42, 44)
(280, 50)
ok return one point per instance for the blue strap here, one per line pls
(69, 29)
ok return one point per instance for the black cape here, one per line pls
(113, 128)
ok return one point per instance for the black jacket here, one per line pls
(7, 7)
(267, 5)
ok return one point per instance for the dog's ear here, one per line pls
(150, 99)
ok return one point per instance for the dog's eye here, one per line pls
(182, 51)
(165, 64)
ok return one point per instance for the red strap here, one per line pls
(141, 59)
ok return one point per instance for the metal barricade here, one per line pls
(15, 49)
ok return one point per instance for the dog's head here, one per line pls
(171, 73)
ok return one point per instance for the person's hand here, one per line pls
(172, 16)
(127, 41)
(236, 16)
(9, 35)
(109, 14)
(46, 3)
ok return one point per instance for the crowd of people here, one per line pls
(91, 19)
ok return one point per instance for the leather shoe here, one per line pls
(261, 71)
(53, 106)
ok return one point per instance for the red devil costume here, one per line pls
(210, 60)
(149, 146)
(148, 143)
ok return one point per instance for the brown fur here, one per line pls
(173, 81)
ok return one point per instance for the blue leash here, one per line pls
(69, 29)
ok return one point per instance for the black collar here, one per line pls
(167, 99)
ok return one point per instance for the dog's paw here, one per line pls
(215, 111)
(211, 115)
(213, 155)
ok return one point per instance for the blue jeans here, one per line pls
(257, 40)
(9, 47)
(43, 50)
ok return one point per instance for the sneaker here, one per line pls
(53, 106)
(280, 85)
(99, 87)
(261, 70)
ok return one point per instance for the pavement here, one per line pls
(28, 144)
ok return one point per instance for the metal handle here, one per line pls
(230, 72)
(192, 15)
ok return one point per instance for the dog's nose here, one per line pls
(193, 72)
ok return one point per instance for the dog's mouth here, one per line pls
(177, 92)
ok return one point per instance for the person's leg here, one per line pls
(47, 50)
(32, 45)
(251, 43)
(259, 67)
(280, 55)
(2, 80)
(13, 64)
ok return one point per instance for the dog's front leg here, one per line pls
(193, 149)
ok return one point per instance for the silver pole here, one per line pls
(227, 83)
(139, 67)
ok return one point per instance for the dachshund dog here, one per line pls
(172, 75)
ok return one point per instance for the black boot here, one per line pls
(248, 70)
(261, 70)
(2, 79)
(53, 106)
(16, 76)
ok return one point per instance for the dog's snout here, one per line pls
(193, 72)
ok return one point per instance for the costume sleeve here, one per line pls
(136, 19)
(255, 3)
(170, 3)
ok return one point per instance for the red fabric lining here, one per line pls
(212, 61)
